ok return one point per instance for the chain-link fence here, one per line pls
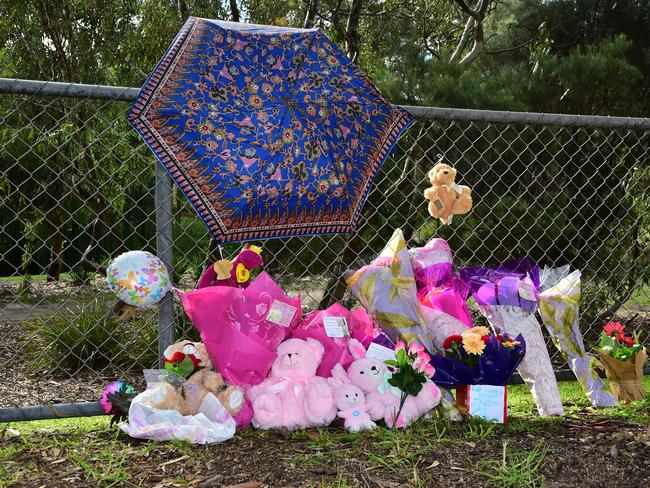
(77, 182)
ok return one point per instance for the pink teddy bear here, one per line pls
(371, 376)
(350, 401)
(293, 396)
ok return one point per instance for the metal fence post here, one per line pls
(165, 251)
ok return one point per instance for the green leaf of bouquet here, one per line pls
(390, 362)
(186, 367)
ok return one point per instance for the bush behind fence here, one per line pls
(562, 190)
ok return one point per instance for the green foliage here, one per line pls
(93, 339)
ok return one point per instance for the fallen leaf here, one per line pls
(434, 464)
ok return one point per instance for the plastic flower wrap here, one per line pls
(507, 296)
(624, 359)
(450, 298)
(559, 307)
(478, 357)
(333, 328)
(386, 288)
(211, 424)
(242, 328)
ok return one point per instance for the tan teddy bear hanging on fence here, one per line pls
(446, 198)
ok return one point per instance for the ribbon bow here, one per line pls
(386, 386)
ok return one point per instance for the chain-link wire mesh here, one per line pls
(77, 182)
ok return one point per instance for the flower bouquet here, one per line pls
(412, 369)
(477, 357)
(507, 295)
(559, 307)
(242, 328)
(386, 289)
(623, 358)
(116, 400)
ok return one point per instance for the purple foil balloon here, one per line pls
(432, 264)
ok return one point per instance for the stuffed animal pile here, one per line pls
(201, 380)
(294, 390)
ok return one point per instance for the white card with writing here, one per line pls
(380, 352)
(526, 289)
(281, 313)
(488, 401)
(336, 327)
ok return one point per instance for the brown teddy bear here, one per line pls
(446, 198)
(186, 396)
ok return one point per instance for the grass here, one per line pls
(516, 468)
(108, 458)
(42, 277)
(641, 296)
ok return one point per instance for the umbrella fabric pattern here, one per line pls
(268, 131)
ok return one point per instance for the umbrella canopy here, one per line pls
(268, 131)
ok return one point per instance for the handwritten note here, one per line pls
(488, 401)
(336, 327)
(380, 352)
(281, 313)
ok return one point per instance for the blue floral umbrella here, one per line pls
(268, 131)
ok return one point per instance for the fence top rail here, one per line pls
(103, 92)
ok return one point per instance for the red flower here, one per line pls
(195, 360)
(613, 328)
(620, 336)
(500, 338)
(458, 339)
(485, 338)
(176, 358)
(628, 341)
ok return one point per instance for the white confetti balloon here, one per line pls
(138, 278)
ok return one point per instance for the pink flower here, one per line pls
(429, 370)
(424, 357)
(110, 390)
(415, 348)
(400, 346)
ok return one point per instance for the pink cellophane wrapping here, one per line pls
(359, 325)
(450, 298)
(235, 329)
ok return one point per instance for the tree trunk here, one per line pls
(234, 11)
(183, 9)
(312, 8)
(56, 248)
(352, 30)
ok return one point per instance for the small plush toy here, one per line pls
(190, 360)
(446, 198)
(293, 396)
(235, 273)
(350, 401)
(371, 376)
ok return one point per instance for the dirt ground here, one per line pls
(589, 452)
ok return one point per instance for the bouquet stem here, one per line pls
(402, 400)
